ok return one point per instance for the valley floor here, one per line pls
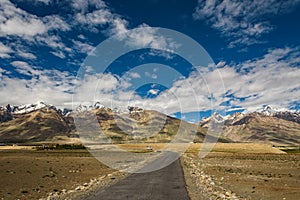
(230, 171)
(32, 174)
(241, 175)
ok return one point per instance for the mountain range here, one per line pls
(41, 122)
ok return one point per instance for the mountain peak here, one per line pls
(87, 107)
(217, 117)
(27, 108)
(268, 110)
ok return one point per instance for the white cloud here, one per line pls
(270, 79)
(58, 54)
(82, 5)
(153, 91)
(5, 51)
(145, 36)
(26, 55)
(98, 17)
(15, 21)
(55, 42)
(18, 26)
(54, 86)
(47, 30)
(243, 22)
(24, 68)
(101, 16)
(82, 37)
(51, 86)
(118, 26)
(134, 75)
(82, 47)
(2, 71)
(15, 49)
(221, 64)
(54, 22)
(52, 41)
(30, 29)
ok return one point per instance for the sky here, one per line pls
(248, 54)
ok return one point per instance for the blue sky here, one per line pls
(254, 46)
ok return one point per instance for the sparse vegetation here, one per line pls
(253, 171)
(60, 147)
(291, 150)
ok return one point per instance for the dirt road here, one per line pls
(166, 183)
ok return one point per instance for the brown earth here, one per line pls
(240, 175)
(230, 171)
(31, 174)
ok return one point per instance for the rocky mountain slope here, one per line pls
(135, 126)
(257, 127)
(266, 126)
(42, 122)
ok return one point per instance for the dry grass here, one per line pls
(236, 148)
(195, 147)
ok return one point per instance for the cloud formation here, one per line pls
(271, 79)
(242, 22)
(47, 30)
(15, 22)
(5, 51)
(51, 86)
(53, 30)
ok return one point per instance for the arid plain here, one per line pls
(229, 171)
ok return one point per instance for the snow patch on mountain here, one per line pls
(87, 107)
(27, 108)
(270, 110)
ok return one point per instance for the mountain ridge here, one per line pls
(44, 122)
(277, 127)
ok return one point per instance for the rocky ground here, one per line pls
(59, 174)
(222, 175)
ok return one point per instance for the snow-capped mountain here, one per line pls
(27, 108)
(215, 118)
(270, 110)
(281, 113)
(45, 123)
(34, 122)
(88, 107)
(269, 125)
(41, 121)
